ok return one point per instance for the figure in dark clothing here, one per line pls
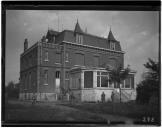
(103, 97)
(112, 96)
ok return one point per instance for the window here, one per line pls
(58, 58)
(102, 79)
(46, 77)
(96, 61)
(79, 59)
(30, 82)
(67, 57)
(128, 83)
(88, 79)
(57, 74)
(46, 56)
(112, 45)
(79, 39)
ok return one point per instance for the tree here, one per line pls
(150, 85)
(118, 75)
(12, 90)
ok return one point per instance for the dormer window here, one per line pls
(79, 39)
(112, 45)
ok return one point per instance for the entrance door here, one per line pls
(57, 80)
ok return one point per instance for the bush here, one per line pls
(145, 90)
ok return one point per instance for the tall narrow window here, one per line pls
(46, 77)
(88, 79)
(46, 56)
(57, 74)
(58, 58)
(67, 57)
(102, 79)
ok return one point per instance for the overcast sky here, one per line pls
(137, 31)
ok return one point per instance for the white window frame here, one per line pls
(100, 79)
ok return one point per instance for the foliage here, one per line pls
(149, 86)
(117, 75)
(12, 90)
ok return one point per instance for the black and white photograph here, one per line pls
(81, 67)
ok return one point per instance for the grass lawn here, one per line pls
(19, 111)
(50, 112)
(132, 110)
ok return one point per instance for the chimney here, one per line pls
(25, 44)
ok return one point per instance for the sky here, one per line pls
(137, 31)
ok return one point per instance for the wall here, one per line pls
(28, 65)
(89, 53)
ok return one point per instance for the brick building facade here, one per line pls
(71, 60)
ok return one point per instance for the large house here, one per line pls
(75, 61)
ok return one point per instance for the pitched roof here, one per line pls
(111, 37)
(77, 28)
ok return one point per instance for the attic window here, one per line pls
(112, 45)
(79, 39)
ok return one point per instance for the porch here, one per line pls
(88, 84)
